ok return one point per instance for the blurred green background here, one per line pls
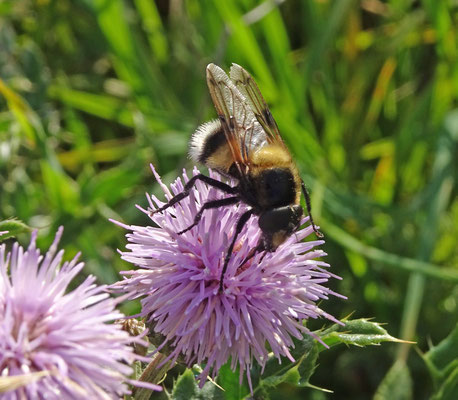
(364, 93)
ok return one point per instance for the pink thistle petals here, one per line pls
(265, 301)
(57, 343)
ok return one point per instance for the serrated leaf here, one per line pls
(261, 394)
(11, 228)
(210, 392)
(397, 384)
(186, 388)
(449, 388)
(307, 366)
(229, 381)
(442, 362)
(288, 374)
(297, 372)
(445, 352)
(358, 332)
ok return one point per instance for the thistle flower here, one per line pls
(57, 345)
(265, 301)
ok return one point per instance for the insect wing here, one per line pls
(247, 86)
(239, 124)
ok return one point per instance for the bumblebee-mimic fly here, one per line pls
(244, 143)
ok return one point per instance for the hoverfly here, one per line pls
(244, 143)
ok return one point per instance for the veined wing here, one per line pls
(241, 128)
(247, 86)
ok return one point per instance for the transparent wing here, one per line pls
(241, 127)
(248, 88)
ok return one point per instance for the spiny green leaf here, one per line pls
(445, 352)
(186, 388)
(307, 366)
(358, 332)
(449, 389)
(442, 362)
(297, 372)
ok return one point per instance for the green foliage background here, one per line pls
(365, 94)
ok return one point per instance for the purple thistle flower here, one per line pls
(60, 344)
(264, 301)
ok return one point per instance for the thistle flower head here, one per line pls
(265, 300)
(55, 343)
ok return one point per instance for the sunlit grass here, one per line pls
(364, 93)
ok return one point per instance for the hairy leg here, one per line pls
(309, 210)
(209, 205)
(240, 224)
(255, 250)
(187, 188)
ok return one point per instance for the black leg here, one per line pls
(185, 193)
(255, 250)
(309, 210)
(209, 205)
(240, 224)
(262, 258)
